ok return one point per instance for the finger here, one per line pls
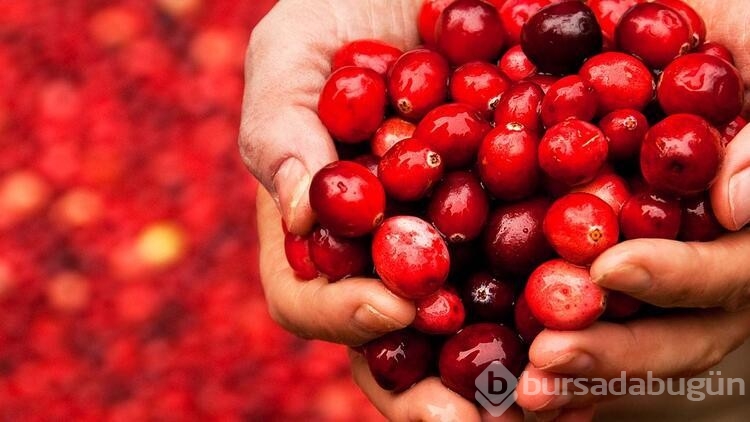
(350, 311)
(730, 195)
(669, 273)
(558, 397)
(583, 414)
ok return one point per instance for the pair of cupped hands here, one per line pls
(284, 143)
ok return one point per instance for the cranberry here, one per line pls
(409, 169)
(697, 28)
(543, 81)
(716, 49)
(455, 131)
(467, 354)
(347, 198)
(522, 104)
(516, 65)
(681, 155)
(459, 207)
(580, 226)
(507, 162)
(418, 82)
(655, 33)
(573, 151)
(560, 37)
(526, 324)
(487, 298)
(439, 313)
(650, 216)
(352, 103)
(410, 256)
(620, 80)
(562, 296)
(514, 241)
(466, 258)
(389, 133)
(469, 30)
(370, 162)
(704, 85)
(621, 306)
(338, 257)
(398, 359)
(608, 13)
(429, 13)
(625, 129)
(297, 251)
(515, 13)
(372, 54)
(609, 187)
(569, 98)
(478, 84)
(731, 129)
(699, 223)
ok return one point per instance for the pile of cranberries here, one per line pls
(482, 172)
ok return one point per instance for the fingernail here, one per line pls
(371, 320)
(739, 198)
(626, 278)
(291, 183)
(576, 362)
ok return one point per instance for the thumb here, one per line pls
(730, 195)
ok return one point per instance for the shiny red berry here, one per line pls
(399, 359)
(487, 298)
(480, 85)
(459, 207)
(454, 131)
(409, 169)
(732, 129)
(372, 54)
(620, 80)
(526, 324)
(699, 223)
(648, 215)
(440, 313)
(390, 132)
(338, 257)
(515, 13)
(608, 13)
(429, 13)
(696, 25)
(621, 306)
(609, 187)
(570, 97)
(469, 30)
(297, 250)
(716, 49)
(573, 151)
(417, 83)
(515, 64)
(653, 32)
(625, 129)
(522, 104)
(507, 162)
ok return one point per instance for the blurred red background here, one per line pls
(128, 267)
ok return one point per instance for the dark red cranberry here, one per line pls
(459, 207)
(609, 187)
(620, 80)
(409, 169)
(347, 198)
(418, 82)
(729, 131)
(507, 162)
(704, 85)
(469, 30)
(297, 250)
(625, 129)
(338, 257)
(467, 354)
(681, 155)
(454, 131)
(479, 85)
(410, 256)
(716, 49)
(573, 151)
(560, 37)
(515, 13)
(399, 359)
(389, 133)
(697, 28)
(487, 298)
(427, 19)
(699, 223)
(608, 13)
(515, 65)
(570, 97)
(655, 33)
(580, 226)
(352, 103)
(650, 216)
(527, 326)
(369, 161)
(514, 241)
(440, 313)
(621, 306)
(521, 103)
(372, 54)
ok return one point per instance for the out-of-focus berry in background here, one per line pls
(128, 254)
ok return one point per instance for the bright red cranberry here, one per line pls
(514, 240)
(352, 103)
(621, 306)
(399, 359)
(729, 131)
(699, 223)
(696, 25)
(418, 82)
(515, 65)
(459, 207)
(427, 19)
(297, 251)
(487, 298)
(570, 97)
(704, 85)
(479, 85)
(410, 256)
(544, 81)
(625, 129)
(409, 169)
(716, 49)
(620, 80)
(455, 132)
(608, 13)
(369, 161)
(469, 30)
(650, 216)
(347, 198)
(467, 354)
(681, 155)
(562, 296)
(507, 162)
(389, 133)
(527, 326)
(560, 37)
(522, 104)
(609, 187)
(580, 226)
(653, 32)
(338, 257)
(515, 13)
(372, 54)
(573, 151)
(440, 313)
